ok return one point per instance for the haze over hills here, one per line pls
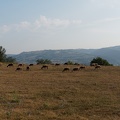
(82, 56)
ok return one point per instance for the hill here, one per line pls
(83, 56)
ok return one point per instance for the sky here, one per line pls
(31, 25)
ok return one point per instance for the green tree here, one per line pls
(2, 54)
(43, 61)
(100, 61)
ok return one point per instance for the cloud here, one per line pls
(24, 25)
(48, 22)
(43, 21)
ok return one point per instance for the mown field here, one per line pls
(51, 94)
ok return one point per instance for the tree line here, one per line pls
(98, 60)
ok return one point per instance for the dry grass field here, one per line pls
(50, 94)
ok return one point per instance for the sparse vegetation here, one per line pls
(10, 60)
(43, 61)
(53, 94)
(69, 63)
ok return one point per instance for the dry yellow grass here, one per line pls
(55, 95)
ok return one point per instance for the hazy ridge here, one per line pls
(83, 56)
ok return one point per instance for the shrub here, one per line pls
(100, 61)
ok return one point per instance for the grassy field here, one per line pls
(51, 94)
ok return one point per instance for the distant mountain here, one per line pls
(112, 54)
(82, 56)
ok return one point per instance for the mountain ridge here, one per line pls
(82, 56)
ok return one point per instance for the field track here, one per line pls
(50, 94)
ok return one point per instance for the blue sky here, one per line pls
(30, 25)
